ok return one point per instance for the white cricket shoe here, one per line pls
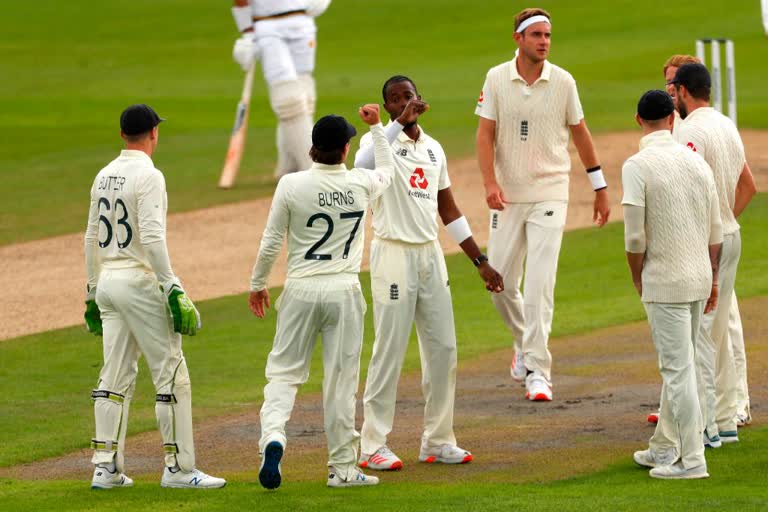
(712, 442)
(103, 478)
(729, 436)
(655, 458)
(537, 389)
(270, 475)
(743, 419)
(445, 453)
(676, 471)
(381, 460)
(357, 479)
(194, 479)
(517, 368)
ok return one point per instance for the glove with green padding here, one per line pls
(92, 313)
(186, 318)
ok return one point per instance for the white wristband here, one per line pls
(243, 17)
(459, 229)
(596, 177)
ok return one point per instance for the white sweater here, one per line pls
(682, 218)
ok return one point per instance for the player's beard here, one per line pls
(409, 125)
(681, 109)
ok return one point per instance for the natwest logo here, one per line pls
(692, 146)
(418, 180)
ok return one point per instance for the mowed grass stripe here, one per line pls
(45, 379)
(737, 483)
(70, 71)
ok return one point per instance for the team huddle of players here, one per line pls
(528, 110)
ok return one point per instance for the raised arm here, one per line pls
(381, 175)
(365, 158)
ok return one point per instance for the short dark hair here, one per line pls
(137, 137)
(396, 80)
(332, 157)
(696, 79)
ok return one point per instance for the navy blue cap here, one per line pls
(138, 119)
(331, 133)
(655, 104)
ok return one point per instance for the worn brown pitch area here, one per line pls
(606, 382)
(211, 265)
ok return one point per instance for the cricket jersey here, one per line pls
(322, 211)
(127, 211)
(715, 138)
(407, 211)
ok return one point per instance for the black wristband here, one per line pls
(480, 260)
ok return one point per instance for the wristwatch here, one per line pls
(480, 260)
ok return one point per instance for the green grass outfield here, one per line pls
(68, 69)
(45, 379)
(737, 483)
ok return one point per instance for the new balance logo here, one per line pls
(523, 130)
(394, 292)
(402, 152)
(549, 213)
(195, 480)
(495, 221)
(431, 156)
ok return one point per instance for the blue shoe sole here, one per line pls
(269, 475)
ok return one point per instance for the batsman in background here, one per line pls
(322, 213)
(136, 300)
(282, 34)
(527, 108)
(715, 138)
(409, 281)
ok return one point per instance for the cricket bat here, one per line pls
(237, 140)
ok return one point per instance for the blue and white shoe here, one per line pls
(195, 479)
(712, 442)
(103, 478)
(269, 472)
(729, 436)
(356, 479)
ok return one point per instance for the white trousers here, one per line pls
(287, 47)
(714, 354)
(332, 308)
(136, 320)
(674, 328)
(410, 283)
(736, 335)
(524, 241)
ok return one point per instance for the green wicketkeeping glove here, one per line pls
(186, 318)
(92, 314)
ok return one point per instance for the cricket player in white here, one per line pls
(139, 304)
(409, 281)
(322, 212)
(735, 330)
(715, 138)
(673, 239)
(527, 108)
(282, 33)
